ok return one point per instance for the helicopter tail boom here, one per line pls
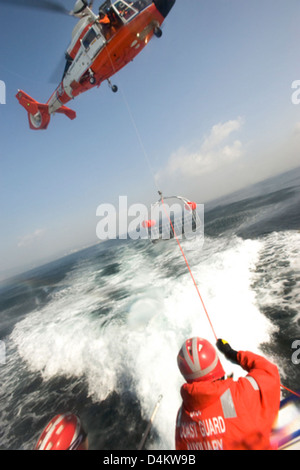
(38, 113)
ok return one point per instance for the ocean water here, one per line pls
(98, 332)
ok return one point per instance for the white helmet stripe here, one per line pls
(203, 372)
(195, 366)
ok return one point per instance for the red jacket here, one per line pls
(228, 415)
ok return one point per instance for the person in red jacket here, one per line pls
(218, 413)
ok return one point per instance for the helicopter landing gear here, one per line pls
(92, 78)
(113, 88)
(157, 32)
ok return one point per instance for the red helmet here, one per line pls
(198, 361)
(64, 432)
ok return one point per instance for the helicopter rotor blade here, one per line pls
(47, 5)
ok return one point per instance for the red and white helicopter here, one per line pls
(101, 45)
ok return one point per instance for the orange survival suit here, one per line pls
(229, 415)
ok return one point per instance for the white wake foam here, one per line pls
(139, 338)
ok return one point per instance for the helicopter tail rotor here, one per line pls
(38, 113)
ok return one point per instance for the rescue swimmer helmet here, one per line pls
(198, 361)
(63, 432)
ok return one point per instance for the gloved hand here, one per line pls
(227, 350)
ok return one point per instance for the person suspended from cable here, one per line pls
(173, 216)
(218, 413)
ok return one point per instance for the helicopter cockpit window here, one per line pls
(89, 38)
(125, 11)
(141, 4)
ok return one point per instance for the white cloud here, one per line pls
(29, 239)
(215, 152)
(297, 128)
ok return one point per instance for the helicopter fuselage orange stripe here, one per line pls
(124, 46)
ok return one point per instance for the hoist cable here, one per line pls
(189, 268)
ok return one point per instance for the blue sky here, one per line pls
(211, 101)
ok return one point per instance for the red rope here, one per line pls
(291, 391)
